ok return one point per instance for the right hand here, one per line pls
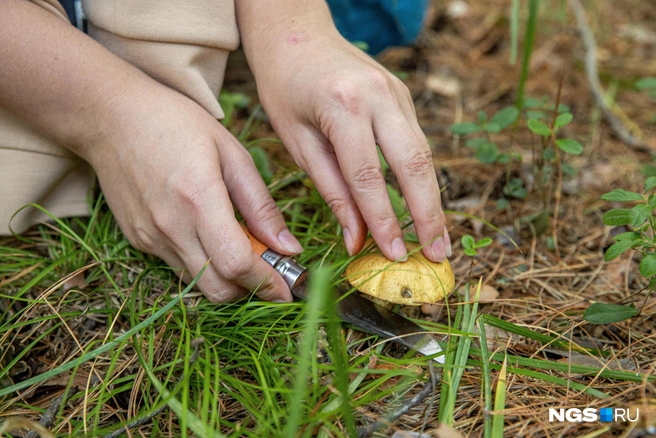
(169, 170)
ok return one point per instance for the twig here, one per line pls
(595, 86)
(392, 416)
(196, 343)
(48, 419)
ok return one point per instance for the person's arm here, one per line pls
(167, 168)
(331, 104)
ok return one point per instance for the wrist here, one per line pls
(266, 36)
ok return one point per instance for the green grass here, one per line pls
(262, 369)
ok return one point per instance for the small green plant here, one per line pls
(536, 113)
(487, 151)
(648, 85)
(470, 245)
(641, 219)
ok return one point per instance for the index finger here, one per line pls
(411, 160)
(355, 149)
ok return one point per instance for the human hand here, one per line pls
(331, 104)
(169, 171)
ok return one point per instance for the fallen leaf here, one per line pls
(488, 293)
(443, 85)
(76, 282)
(446, 431)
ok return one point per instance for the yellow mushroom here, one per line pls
(412, 283)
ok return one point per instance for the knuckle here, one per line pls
(337, 203)
(379, 83)
(143, 237)
(368, 176)
(419, 163)
(346, 94)
(267, 211)
(220, 296)
(236, 268)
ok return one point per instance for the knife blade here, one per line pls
(352, 307)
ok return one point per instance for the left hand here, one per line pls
(331, 104)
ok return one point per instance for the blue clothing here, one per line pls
(379, 23)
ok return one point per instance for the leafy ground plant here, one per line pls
(641, 239)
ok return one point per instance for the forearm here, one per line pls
(59, 80)
(266, 27)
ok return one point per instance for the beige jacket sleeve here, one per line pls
(182, 43)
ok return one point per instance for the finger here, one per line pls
(356, 153)
(215, 288)
(253, 200)
(320, 163)
(232, 256)
(411, 160)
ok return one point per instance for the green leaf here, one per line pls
(532, 102)
(515, 188)
(629, 235)
(652, 201)
(502, 203)
(397, 201)
(262, 163)
(562, 108)
(648, 266)
(621, 195)
(617, 249)
(468, 241)
(476, 142)
(639, 214)
(383, 162)
(465, 128)
(486, 241)
(570, 146)
(503, 158)
(650, 183)
(481, 117)
(617, 217)
(649, 170)
(549, 154)
(563, 119)
(532, 114)
(492, 128)
(568, 169)
(487, 153)
(604, 313)
(470, 252)
(505, 117)
(539, 128)
(646, 83)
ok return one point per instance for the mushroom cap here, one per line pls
(412, 283)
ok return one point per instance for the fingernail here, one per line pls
(348, 241)
(447, 243)
(399, 252)
(279, 301)
(438, 250)
(290, 243)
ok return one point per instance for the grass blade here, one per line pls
(529, 40)
(514, 30)
(316, 298)
(486, 381)
(499, 403)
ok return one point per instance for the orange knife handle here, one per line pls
(258, 247)
(291, 271)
